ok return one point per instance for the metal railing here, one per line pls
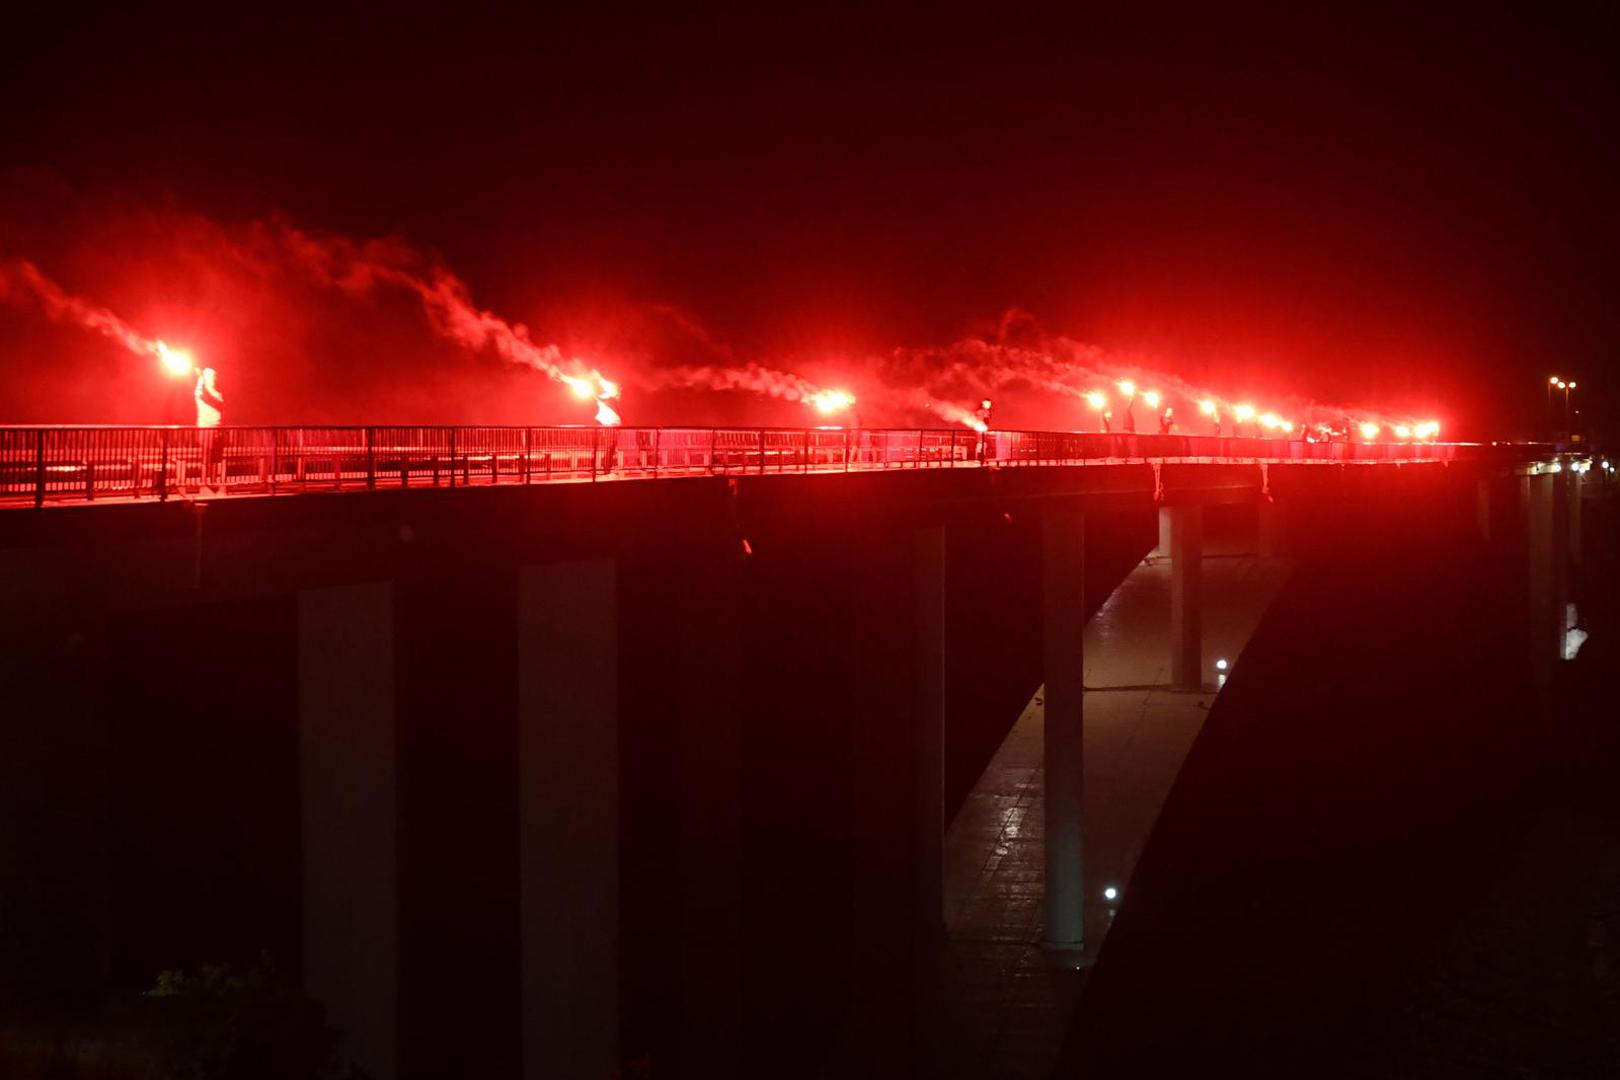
(47, 465)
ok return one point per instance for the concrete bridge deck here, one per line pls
(68, 465)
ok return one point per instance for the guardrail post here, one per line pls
(452, 457)
(371, 462)
(846, 449)
(596, 448)
(39, 467)
(657, 449)
(528, 452)
(920, 435)
(163, 465)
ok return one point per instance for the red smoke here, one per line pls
(19, 276)
(257, 280)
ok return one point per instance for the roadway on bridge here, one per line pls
(1004, 1009)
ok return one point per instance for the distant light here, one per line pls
(1220, 665)
(1427, 430)
(1556, 467)
(1207, 407)
(1561, 384)
(1369, 430)
(1151, 398)
(1110, 893)
(1553, 380)
(1402, 431)
(1572, 384)
(1126, 387)
(1096, 399)
(1243, 412)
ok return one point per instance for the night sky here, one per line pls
(1410, 213)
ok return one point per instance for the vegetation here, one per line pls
(212, 1024)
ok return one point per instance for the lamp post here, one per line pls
(1566, 387)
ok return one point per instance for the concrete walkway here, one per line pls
(1002, 1010)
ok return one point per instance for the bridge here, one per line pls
(510, 755)
(51, 465)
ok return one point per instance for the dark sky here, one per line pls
(1382, 210)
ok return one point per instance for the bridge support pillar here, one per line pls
(1064, 627)
(1572, 484)
(1271, 529)
(1163, 550)
(1482, 507)
(930, 733)
(709, 710)
(1186, 597)
(568, 805)
(349, 816)
(1545, 571)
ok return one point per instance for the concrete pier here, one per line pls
(1186, 596)
(568, 737)
(1064, 624)
(349, 815)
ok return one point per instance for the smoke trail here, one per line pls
(445, 299)
(750, 376)
(18, 276)
(956, 414)
(1017, 358)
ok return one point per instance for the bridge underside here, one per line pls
(688, 747)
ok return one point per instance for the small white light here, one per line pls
(1110, 893)
(1220, 665)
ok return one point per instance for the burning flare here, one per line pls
(175, 361)
(831, 401)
